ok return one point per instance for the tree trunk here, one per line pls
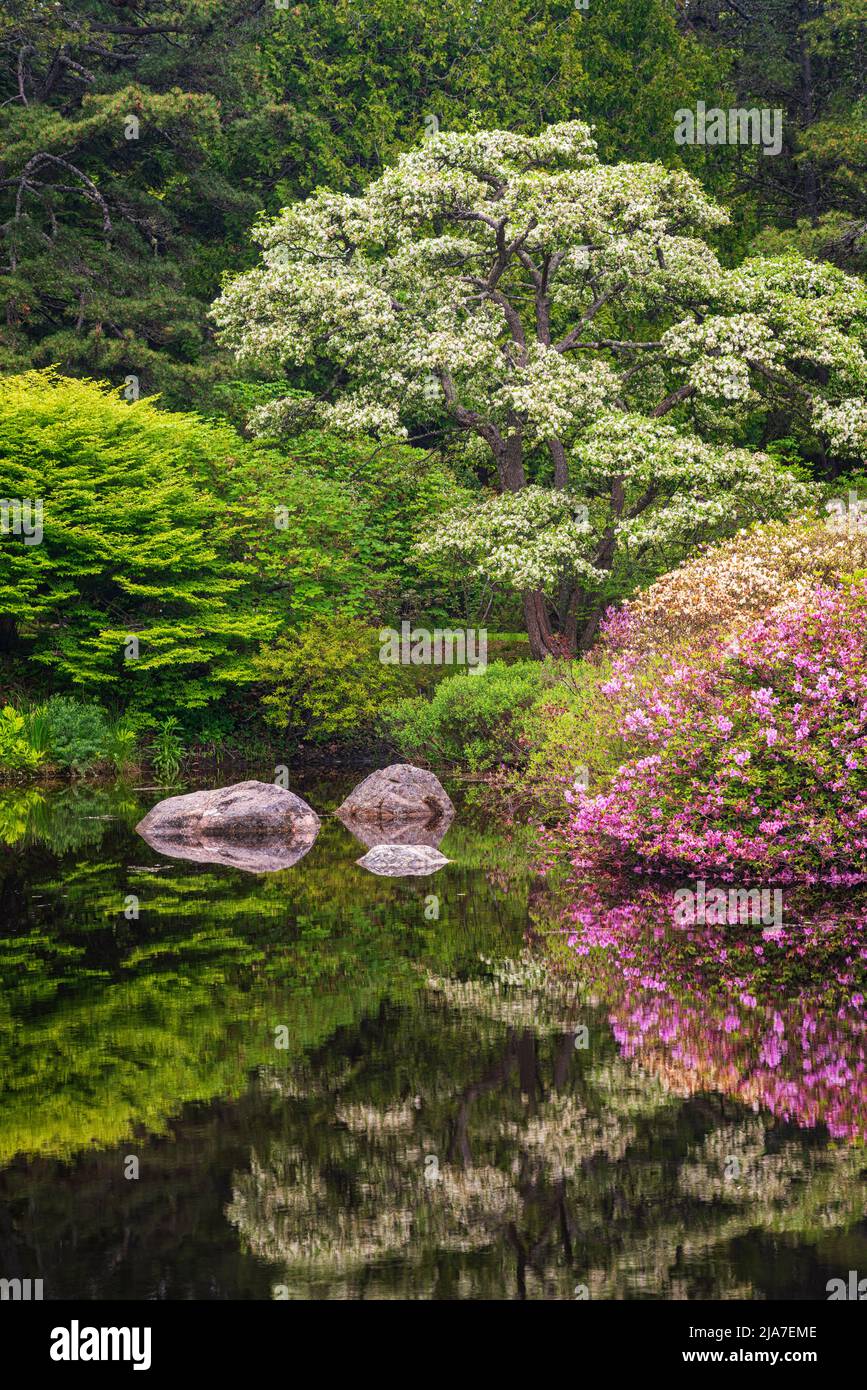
(510, 464)
(543, 641)
(590, 627)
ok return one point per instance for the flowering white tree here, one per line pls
(553, 310)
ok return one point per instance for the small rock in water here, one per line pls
(403, 861)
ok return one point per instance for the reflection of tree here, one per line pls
(555, 1166)
(733, 1163)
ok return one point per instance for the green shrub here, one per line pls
(540, 726)
(473, 720)
(77, 733)
(326, 681)
(570, 735)
(135, 545)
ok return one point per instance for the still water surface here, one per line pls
(337, 1085)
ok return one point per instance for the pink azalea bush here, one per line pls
(750, 761)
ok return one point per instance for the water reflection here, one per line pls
(252, 857)
(538, 1169)
(772, 1016)
(131, 984)
(408, 832)
(333, 1094)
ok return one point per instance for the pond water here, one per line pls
(324, 1083)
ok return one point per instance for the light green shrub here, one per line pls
(326, 681)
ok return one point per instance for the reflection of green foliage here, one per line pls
(17, 809)
(110, 1024)
(559, 1164)
(64, 820)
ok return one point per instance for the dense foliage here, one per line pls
(326, 682)
(471, 719)
(601, 376)
(116, 233)
(172, 549)
(328, 320)
(139, 145)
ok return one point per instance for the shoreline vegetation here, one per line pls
(539, 735)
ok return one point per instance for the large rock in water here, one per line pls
(255, 826)
(395, 795)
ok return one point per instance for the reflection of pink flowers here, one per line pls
(698, 1005)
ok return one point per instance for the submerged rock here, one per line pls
(403, 861)
(398, 793)
(255, 826)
